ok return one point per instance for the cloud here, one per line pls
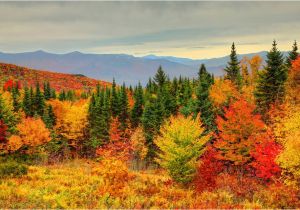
(168, 27)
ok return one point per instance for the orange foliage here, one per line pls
(32, 133)
(239, 130)
(58, 80)
(119, 145)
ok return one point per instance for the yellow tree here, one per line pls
(181, 142)
(71, 120)
(32, 133)
(255, 64)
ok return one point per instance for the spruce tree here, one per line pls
(47, 91)
(233, 68)
(123, 107)
(16, 97)
(292, 55)
(39, 101)
(27, 103)
(137, 110)
(270, 87)
(151, 121)
(62, 95)
(203, 103)
(114, 103)
(160, 77)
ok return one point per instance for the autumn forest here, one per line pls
(232, 141)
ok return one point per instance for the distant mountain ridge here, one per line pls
(122, 67)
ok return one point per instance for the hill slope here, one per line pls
(122, 67)
(58, 81)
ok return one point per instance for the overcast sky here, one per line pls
(184, 29)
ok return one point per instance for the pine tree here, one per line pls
(62, 95)
(292, 55)
(203, 103)
(137, 110)
(270, 87)
(114, 100)
(167, 100)
(160, 77)
(53, 94)
(49, 117)
(27, 103)
(39, 101)
(151, 121)
(233, 69)
(47, 91)
(123, 107)
(16, 97)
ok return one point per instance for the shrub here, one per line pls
(12, 169)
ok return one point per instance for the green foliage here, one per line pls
(7, 115)
(233, 68)
(137, 110)
(270, 87)
(12, 169)
(292, 55)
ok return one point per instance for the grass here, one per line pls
(86, 184)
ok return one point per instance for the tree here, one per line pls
(118, 146)
(7, 115)
(264, 156)
(203, 103)
(39, 102)
(123, 108)
(139, 147)
(245, 73)
(255, 64)
(151, 120)
(47, 91)
(292, 55)
(27, 103)
(160, 77)
(233, 68)
(270, 87)
(49, 117)
(181, 142)
(32, 133)
(137, 110)
(114, 100)
(238, 132)
(3, 131)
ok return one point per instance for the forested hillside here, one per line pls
(204, 142)
(28, 77)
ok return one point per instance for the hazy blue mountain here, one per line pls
(124, 68)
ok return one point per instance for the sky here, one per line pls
(182, 29)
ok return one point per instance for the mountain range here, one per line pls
(122, 67)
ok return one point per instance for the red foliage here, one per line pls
(207, 171)
(9, 84)
(3, 130)
(58, 81)
(119, 146)
(264, 156)
(239, 130)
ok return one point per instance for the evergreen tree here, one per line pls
(27, 103)
(39, 101)
(292, 55)
(47, 91)
(62, 95)
(203, 103)
(16, 97)
(233, 68)
(123, 107)
(114, 100)
(53, 94)
(151, 121)
(167, 101)
(270, 87)
(160, 77)
(137, 110)
(49, 117)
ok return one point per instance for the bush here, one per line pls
(12, 169)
